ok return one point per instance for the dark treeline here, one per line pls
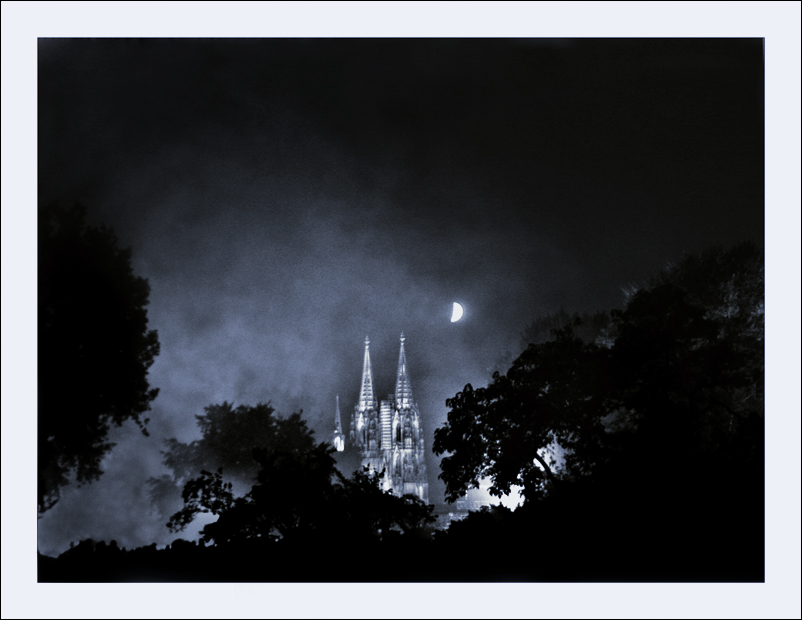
(658, 414)
(660, 424)
(92, 332)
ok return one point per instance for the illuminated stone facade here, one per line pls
(389, 435)
(339, 437)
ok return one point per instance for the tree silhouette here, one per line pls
(294, 478)
(94, 348)
(677, 396)
(661, 421)
(552, 393)
(689, 356)
(299, 496)
(589, 327)
(229, 436)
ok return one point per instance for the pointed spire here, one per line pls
(403, 388)
(339, 438)
(366, 400)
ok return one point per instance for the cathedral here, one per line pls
(388, 435)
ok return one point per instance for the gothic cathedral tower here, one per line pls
(389, 436)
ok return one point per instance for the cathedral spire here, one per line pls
(366, 400)
(388, 436)
(339, 438)
(403, 388)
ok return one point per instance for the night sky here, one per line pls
(287, 197)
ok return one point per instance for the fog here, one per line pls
(286, 198)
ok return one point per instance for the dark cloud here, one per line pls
(287, 197)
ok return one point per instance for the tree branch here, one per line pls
(549, 474)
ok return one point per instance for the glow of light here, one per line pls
(456, 313)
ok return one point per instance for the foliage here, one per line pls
(680, 372)
(726, 282)
(590, 327)
(677, 396)
(363, 509)
(298, 495)
(550, 394)
(94, 348)
(729, 285)
(586, 326)
(228, 438)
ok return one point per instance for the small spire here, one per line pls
(339, 438)
(403, 387)
(366, 400)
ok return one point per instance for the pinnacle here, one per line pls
(366, 391)
(403, 389)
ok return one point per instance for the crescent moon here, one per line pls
(456, 313)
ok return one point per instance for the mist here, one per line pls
(286, 198)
